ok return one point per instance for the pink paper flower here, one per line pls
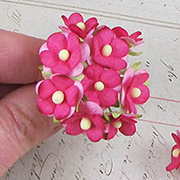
(62, 54)
(133, 90)
(58, 96)
(88, 121)
(125, 124)
(108, 50)
(175, 153)
(76, 24)
(131, 39)
(101, 85)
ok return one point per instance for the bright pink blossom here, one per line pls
(108, 50)
(131, 39)
(58, 96)
(125, 124)
(175, 153)
(133, 90)
(88, 121)
(101, 85)
(76, 24)
(62, 54)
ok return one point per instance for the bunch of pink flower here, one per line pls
(175, 153)
(87, 84)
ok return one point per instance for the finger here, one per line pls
(19, 58)
(21, 126)
(7, 88)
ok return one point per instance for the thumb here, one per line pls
(22, 126)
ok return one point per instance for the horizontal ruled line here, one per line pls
(97, 13)
(165, 99)
(160, 123)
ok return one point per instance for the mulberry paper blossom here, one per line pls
(76, 24)
(133, 90)
(101, 85)
(58, 96)
(131, 39)
(88, 121)
(109, 51)
(175, 153)
(62, 54)
(125, 124)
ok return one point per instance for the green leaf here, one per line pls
(123, 71)
(77, 107)
(85, 64)
(131, 45)
(134, 53)
(46, 75)
(106, 116)
(146, 83)
(84, 98)
(116, 105)
(139, 115)
(78, 78)
(135, 66)
(115, 114)
(40, 67)
(55, 120)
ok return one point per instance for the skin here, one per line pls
(22, 126)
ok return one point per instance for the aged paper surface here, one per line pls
(141, 157)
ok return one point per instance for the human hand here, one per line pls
(22, 126)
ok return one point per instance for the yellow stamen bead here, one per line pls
(107, 50)
(58, 97)
(85, 124)
(81, 25)
(99, 86)
(176, 152)
(117, 124)
(64, 55)
(136, 92)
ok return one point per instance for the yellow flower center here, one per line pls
(85, 123)
(117, 124)
(176, 152)
(58, 97)
(81, 25)
(99, 86)
(64, 55)
(107, 50)
(135, 93)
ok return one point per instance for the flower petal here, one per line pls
(72, 95)
(46, 89)
(57, 42)
(61, 111)
(90, 108)
(49, 58)
(107, 97)
(110, 78)
(74, 128)
(120, 48)
(77, 70)
(46, 107)
(93, 72)
(128, 77)
(75, 18)
(62, 82)
(127, 129)
(120, 32)
(90, 24)
(61, 68)
(95, 134)
(112, 132)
